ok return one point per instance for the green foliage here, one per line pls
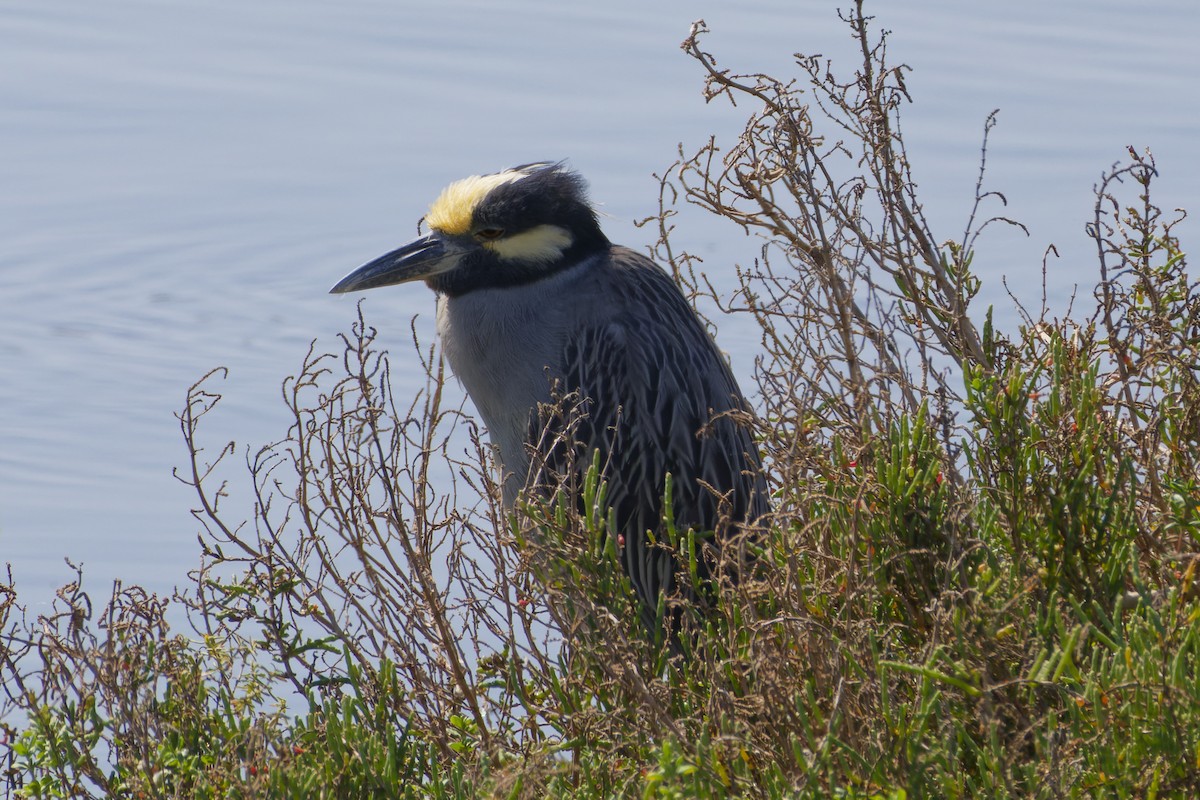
(351, 745)
(190, 737)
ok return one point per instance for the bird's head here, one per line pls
(488, 231)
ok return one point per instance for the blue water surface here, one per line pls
(181, 183)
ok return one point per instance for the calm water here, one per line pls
(181, 183)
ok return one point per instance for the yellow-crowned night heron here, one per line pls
(534, 302)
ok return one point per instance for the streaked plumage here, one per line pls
(534, 303)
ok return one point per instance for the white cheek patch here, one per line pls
(545, 243)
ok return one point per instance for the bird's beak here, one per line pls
(421, 258)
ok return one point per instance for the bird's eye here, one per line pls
(489, 234)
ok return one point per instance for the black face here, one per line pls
(526, 227)
(547, 196)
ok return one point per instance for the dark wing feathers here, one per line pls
(655, 398)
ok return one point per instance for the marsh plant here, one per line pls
(978, 577)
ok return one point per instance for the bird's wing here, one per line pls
(650, 391)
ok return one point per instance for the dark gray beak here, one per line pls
(421, 258)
